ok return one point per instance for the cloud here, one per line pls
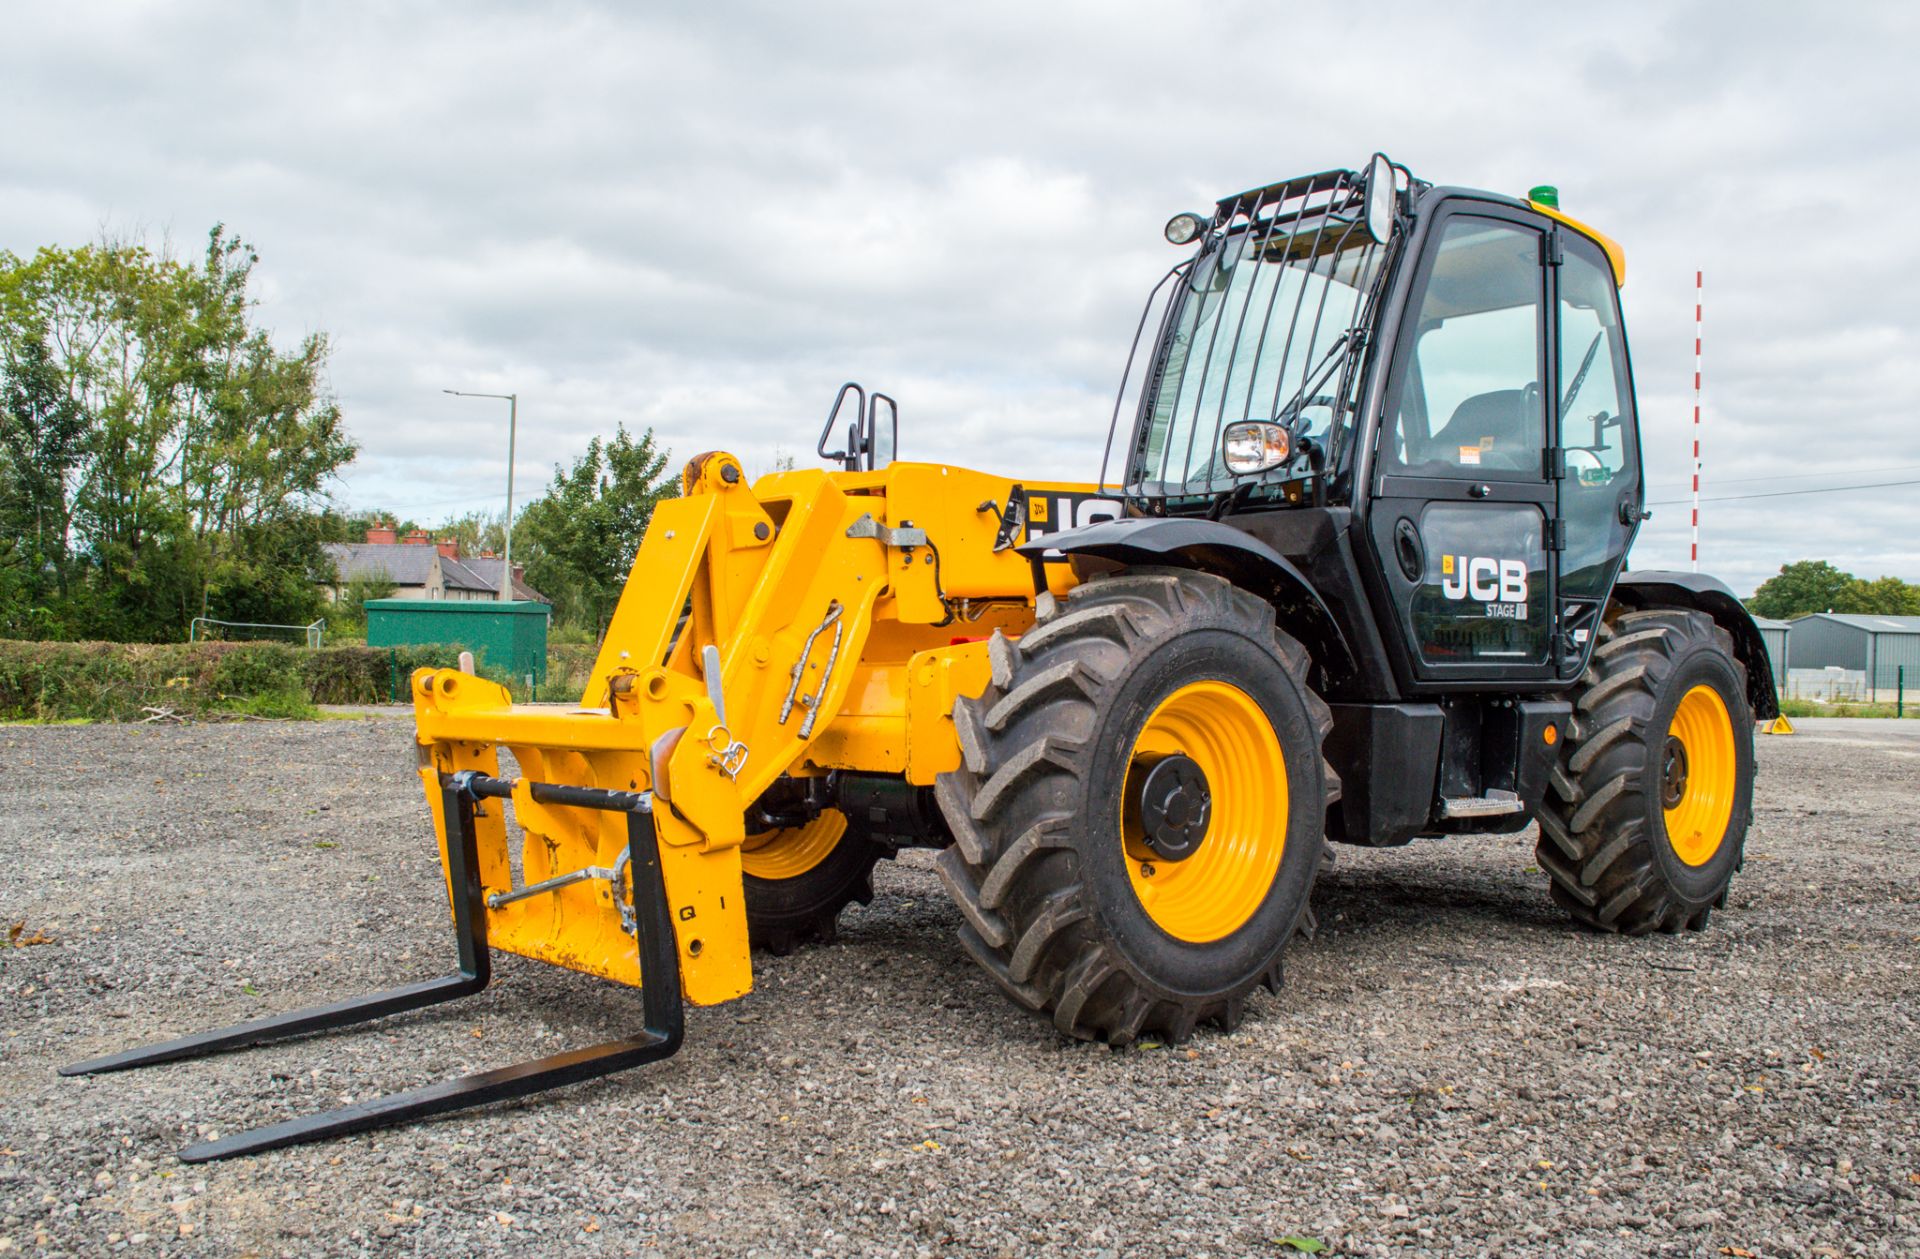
(705, 219)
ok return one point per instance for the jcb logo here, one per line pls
(1054, 513)
(1483, 579)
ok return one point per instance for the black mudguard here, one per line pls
(1653, 588)
(1209, 546)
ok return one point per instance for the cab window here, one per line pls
(1593, 361)
(1596, 422)
(1468, 403)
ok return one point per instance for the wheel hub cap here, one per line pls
(1699, 775)
(1175, 807)
(1673, 773)
(1203, 844)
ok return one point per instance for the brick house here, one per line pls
(421, 568)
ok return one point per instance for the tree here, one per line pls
(476, 531)
(42, 436)
(579, 539)
(166, 454)
(270, 572)
(348, 616)
(1799, 588)
(1883, 596)
(351, 524)
(1817, 586)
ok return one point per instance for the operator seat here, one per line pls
(1504, 426)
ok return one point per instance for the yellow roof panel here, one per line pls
(1615, 255)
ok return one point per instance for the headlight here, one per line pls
(1255, 446)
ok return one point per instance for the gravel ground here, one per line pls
(1452, 1068)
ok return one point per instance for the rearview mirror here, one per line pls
(883, 440)
(1380, 196)
(1255, 446)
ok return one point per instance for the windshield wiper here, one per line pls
(1303, 396)
(1580, 377)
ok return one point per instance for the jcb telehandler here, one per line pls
(1355, 572)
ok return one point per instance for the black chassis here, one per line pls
(1401, 745)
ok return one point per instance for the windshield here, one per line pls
(1256, 331)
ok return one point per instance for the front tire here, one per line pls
(1645, 820)
(1140, 813)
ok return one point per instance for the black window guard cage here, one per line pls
(1309, 220)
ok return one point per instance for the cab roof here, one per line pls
(1333, 190)
(1616, 256)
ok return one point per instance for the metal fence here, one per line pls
(1828, 686)
(206, 629)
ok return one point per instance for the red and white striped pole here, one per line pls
(1699, 301)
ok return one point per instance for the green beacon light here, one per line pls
(1546, 195)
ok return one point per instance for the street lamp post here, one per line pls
(513, 423)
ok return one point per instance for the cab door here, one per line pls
(1464, 496)
(1601, 490)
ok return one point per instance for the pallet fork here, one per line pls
(461, 792)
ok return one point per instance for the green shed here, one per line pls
(509, 637)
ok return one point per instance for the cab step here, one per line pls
(1495, 803)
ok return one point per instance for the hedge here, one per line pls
(121, 681)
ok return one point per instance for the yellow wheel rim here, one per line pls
(1698, 771)
(1213, 892)
(790, 853)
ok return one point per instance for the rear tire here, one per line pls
(1645, 819)
(800, 878)
(1063, 905)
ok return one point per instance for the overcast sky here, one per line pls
(702, 218)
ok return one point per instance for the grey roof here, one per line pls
(486, 571)
(460, 575)
(401, 563)
(1767, 622)
(1871, 624)
(411, 564)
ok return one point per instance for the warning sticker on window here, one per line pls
(1470, 455)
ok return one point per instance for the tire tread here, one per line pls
(1596, 837)
(1013, 864)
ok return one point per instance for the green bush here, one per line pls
(286, 705)
(1820, 708)
(41, 681)
(568, 666)
(120, 681)
(267, 667)
(347, 618)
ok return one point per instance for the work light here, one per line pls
(1184, 228)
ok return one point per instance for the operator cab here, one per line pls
(1436, 377)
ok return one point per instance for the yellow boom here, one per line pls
(811, 622)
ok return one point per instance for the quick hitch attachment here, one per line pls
(660, 1005)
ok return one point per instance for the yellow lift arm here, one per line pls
(800, 625)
